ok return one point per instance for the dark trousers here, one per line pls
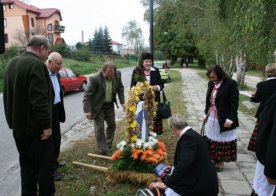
(35, 158)
(56, 135)
(105, 138)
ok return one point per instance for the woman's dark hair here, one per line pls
(144, 56)
(218, 71)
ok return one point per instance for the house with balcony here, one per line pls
(22, 20)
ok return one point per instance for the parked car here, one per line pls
(163, 69)
(71, 80)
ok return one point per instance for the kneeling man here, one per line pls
(193, 173)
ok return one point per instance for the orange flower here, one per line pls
(136, 153)
(161, 145)
(116, 155)
(160, 152)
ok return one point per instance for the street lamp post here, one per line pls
(151, 29)
(2, 36)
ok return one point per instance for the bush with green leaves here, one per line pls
(63, 49)
(82, 54)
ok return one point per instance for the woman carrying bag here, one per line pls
(145, 71)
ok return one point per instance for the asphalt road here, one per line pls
(9, 165)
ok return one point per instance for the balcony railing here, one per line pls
(59, 29)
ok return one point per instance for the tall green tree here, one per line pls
(133, 35)
(107, 42)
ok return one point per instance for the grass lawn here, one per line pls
(95, 64)
(257, 73)
(77, 180)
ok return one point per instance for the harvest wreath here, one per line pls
(136, 157)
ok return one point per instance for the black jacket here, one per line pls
(264, 91)
(266, 138)
(227, 102)
(193, 174)
(62, 115)
(155, 79)
(27, 95)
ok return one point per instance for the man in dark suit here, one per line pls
(98, 104)
(54, 65)
(193, 173)
(265, 174)
(27, 103)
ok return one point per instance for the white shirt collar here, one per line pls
(51, 74)
(184, 130)
(271, 78)
(152, 69)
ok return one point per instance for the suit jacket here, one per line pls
(266, 138)
(155, 79)
(62, 115)
(94, 95)
(264, 91)
(227, 102)
(193, 174)
(27, 95)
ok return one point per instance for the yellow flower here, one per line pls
(134, 124)
(134, 138)
(137, 98)
(132, 108)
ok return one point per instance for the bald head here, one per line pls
(54, 62)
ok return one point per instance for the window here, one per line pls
(6, 38)
(70, 73)
(51, 37)
(50, 27)
(4, 7)
(5, 22)
(63, 73)
(32, 22)
(11, 6)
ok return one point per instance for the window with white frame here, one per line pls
(5, 22)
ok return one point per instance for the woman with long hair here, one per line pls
(221, 112)
(145, 71)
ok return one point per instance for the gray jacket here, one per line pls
(94, 95)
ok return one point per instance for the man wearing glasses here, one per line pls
(54, 64)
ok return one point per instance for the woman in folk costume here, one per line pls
(145, 71)
(221, 112)
(264, 91)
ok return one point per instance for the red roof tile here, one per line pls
(47, 12)
(115, 43)
(42, 13)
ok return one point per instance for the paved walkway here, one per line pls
(237, 177)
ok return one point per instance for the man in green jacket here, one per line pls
(98, 104)
(27, 104)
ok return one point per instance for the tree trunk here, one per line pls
(241, 68)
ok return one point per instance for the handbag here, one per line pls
(164, 109)
(202, 131)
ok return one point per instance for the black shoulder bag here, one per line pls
(164, 108)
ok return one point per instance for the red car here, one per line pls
(71, 81)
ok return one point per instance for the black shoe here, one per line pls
(60, 164)
(57, 176)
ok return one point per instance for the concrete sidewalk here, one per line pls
(237, 177)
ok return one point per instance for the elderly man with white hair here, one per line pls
(193, 173)
(54, 64)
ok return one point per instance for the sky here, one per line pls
(87, 15)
